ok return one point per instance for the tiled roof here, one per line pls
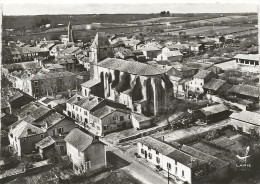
(53, 119)
(78, 139)
(26, 50)
(39, 112)
(125, 52)
(40, 76)
(247, 116)
(200, 66)
(54, 66)
(85, 102)
(159, 146)
(103, 111)
(100, 41)
(24, 111)
(91, 83)
(214, 109)
(24, 65)
(214, 162)
(214, 84)
(252, 57)
(184, 158)
(130, 67)
(202, 74)
(151, 46)
(247, 90)
(172, 53)
(25, 129)
(44, 143)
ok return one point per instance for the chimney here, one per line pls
(163, 138)
(78, 98)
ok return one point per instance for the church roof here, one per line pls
(131, 67)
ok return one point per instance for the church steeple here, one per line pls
(70, 33)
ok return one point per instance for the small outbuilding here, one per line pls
(140, 121)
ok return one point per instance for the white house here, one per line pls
(169, 55)
(176, 162)
(202, 77)
(23, 136)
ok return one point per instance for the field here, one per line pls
(207, 30)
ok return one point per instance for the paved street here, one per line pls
(127, 163)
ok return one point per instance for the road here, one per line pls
(127, 163)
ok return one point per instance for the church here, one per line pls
(144, 88)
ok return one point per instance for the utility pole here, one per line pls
(168, 175)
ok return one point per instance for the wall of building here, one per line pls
(76, 157)
(96, 154)
(177, 169)
(66, 124)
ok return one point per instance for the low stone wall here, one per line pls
(143, 133)
(35, 170)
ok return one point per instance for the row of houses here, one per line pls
(185, 163)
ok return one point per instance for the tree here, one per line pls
(163, 14)
(168, 13)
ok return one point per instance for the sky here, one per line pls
(28, 7)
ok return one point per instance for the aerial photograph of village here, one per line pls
(130, 94)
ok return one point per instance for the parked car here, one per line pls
(137, 155)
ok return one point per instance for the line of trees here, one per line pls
(165, 14)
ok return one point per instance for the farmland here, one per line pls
(207, 30)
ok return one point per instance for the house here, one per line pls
(55, 124)
(23, 136)
(70, 63)
(29, 66)
(247, 59)
(169, 55)
(7, 120)
(53, 67)
(45, 145)
(246, 121)
(179, 70)
(245, 92)
(216, 86)
(123, 53)
(175, 162)
(196, 48)
(97, 115)
(202, 77)
(19, 99)
(213, 113)
(150, 50)
(22, 54)
(41, 84)
(139, 121)
(85, 152)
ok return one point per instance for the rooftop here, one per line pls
(172, 53)
(140, 117)
(247, 90)
(44, 143)
(53, 119)
(202, 74)
(252, 57)
(214, 109)
(151, 46)
(214, 84)
(26, 50)
(247, 116)
(91, 83)
(40, 75)
(131, 67)
(78, 139)
(157, 145)
(25, 129)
